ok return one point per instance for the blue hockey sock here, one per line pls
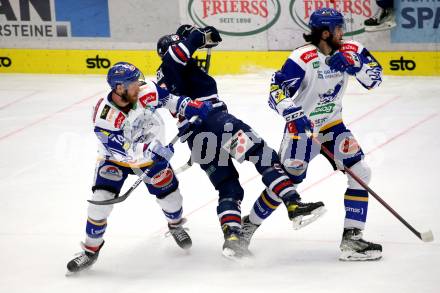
(356, 207)
(263, 207)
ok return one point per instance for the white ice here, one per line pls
(48, 155)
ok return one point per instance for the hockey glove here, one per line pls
(207, 37)
(297, 122)
(188, 108)
(157, 152)
(346, 61)
(185, 30)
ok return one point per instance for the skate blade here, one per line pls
(302, 221)
(371, 255)
(231, 255)
(70, 274)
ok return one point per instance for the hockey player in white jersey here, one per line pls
(127, 126)
(308, 92)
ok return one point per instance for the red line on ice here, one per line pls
(18, 130)
(19, 100)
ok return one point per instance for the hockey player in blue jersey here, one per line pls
(126, 125)
(233, 138)
(308, 92)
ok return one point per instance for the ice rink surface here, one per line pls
(48, 155)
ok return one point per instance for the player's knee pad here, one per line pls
(163, 181)
(363, 171)
(171, 205)
(296, 169)
(100, 212)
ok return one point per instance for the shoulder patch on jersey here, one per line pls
(309, 55)
(104, 112)
(148, 98)
(119, 120)
(349, 47)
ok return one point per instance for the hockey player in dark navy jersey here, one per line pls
(222, 136)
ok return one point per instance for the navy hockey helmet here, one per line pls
(165, 42)
(123, 73)
(326, 18)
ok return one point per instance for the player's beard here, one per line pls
(128, 99)
(334, 44)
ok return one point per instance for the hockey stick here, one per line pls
(141, 178)
(208, 60)
(424, 236)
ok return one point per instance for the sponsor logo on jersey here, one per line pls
(320, 121)
(349, 47)
(111, 114)
(163, 178)
(238, 145)
(54, 18)
(316, 64)
(277, 94)
(324, 109)
(111, 173)
(5, 61)
(309, 55)
(119, 120)
(147, 99)
(349, 146)
(355, 12)
(235, 18)
(104, 112)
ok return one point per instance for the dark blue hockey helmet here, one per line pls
(123, 73)
(326, 18)
(165, 42)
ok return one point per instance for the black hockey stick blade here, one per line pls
(109, 201)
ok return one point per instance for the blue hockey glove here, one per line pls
(188, 108)
(297, 122)
(157, 152)
(346, 61)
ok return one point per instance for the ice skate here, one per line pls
(384, 20)
(84, 260)
(180, 235)
(302, 214)
(354, 248)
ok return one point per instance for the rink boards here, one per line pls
(403, 63)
